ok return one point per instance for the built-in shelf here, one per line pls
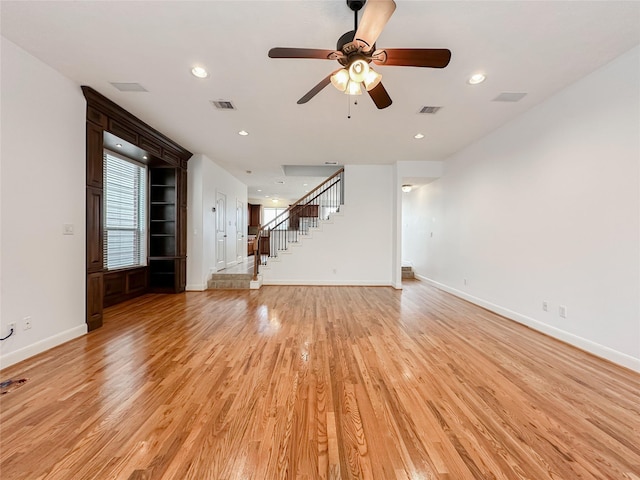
(164, 262)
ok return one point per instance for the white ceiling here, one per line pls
(537, 47)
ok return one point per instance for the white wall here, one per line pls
(42, 188)
(357, 247)
(547, 208)
(206, 178)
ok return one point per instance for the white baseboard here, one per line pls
(195, 288)
(23, 353)
(327, 283)
(582, 343)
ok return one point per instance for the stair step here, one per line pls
(407, 272)
(228, 281)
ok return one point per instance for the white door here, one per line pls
(221, 231)
(241, 248)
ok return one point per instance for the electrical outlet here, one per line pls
(26, 323)
(545, 306)
(563, 311)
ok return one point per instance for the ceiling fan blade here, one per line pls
(284, 52)
(315, 90)
(413, 57)
(376, 15)
(380, 96)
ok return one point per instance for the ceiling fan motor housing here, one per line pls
(355, 5)
(345, 45)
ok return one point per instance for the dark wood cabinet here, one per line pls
(255, 215)
(121, 285)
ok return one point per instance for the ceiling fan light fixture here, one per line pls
(340, 79)
(358, 70)
(353, 88)
(406, 188)
(372, 79)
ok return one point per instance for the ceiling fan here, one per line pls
(356, 49)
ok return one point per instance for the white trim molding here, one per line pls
(16, 356)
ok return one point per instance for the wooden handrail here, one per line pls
(262, 228)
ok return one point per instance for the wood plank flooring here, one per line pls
(315, 383)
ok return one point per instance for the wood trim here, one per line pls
(95, 147)
(95, 254)
(94, 300)
(124, 119)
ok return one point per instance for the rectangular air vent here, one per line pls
(430, 110)
(129, 87)
(223, 104)
(509, 97)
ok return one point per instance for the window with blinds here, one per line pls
(125, 206)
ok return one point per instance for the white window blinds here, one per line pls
(125, 205)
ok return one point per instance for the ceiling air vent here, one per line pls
(509, 97)
(431, 110)
(129, 87)
(223, 104)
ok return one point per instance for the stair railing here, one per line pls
(295, 221)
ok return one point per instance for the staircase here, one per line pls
(296, 222)
(407, 272)
(285, 232)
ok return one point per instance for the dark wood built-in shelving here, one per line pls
(108, 124)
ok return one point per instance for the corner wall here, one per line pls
(547, 208)
(41, 189)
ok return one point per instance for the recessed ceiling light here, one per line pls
(144, 157)
(418, 136)
(305, 184)
(199, 72)
(259, 190)
(244, 133)
(267, 196)
(274, 200)
(119, 145)
(476, 78)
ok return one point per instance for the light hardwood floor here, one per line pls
(318, 382)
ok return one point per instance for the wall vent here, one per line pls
(129, 87)
(509, 97)
(223, 104)
(430, 110)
